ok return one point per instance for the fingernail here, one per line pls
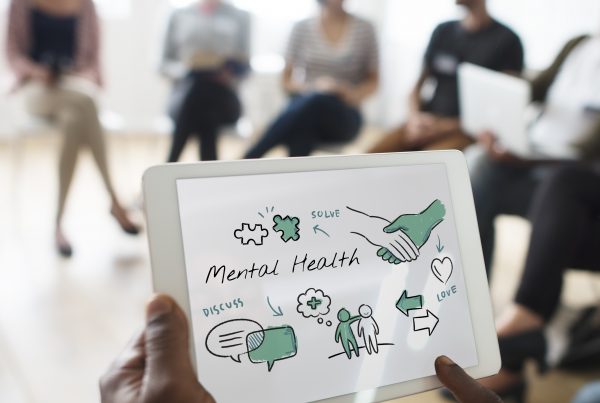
(443, 360)
(157, 307)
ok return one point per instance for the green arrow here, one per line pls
(439, 246)
(406, 303)
(316, 228)
(276, 312)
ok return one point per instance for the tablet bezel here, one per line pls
(168, 264)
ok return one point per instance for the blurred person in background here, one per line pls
(565, 218)
(568, 129)
(479, 39)
(53, 49)
(206, 52)
(332, 66)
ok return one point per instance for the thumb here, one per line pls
(462, 386)
(166, 338)
(397, 224)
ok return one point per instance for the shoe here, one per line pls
(63, 247)
(518, 348)
(513, 394)
(127, 226)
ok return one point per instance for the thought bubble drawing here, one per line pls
(270, 345)
(313, 303)
(228, 339)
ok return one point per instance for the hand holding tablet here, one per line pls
(279, 297)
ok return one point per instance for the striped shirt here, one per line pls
(19, 42)
(312, 56)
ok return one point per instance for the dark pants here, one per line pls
(501, 188)
(307, 121)
(565, 215)
(202, 106)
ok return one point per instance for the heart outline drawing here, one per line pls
(442, 269)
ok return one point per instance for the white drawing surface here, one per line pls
(306, 286)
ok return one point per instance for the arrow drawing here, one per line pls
(276, 312)
(316, 228)
(406, 304)
(439, 245)
(427, 322)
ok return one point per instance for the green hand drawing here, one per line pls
(418, 227)
(402, 238)
(344, 333)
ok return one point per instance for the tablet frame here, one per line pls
(168, 262)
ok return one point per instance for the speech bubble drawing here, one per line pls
(270, 345)
(228, 339)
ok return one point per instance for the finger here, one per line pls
(404, 245)
(387, 256)
(381, 251)
(462, 386)
(400, 252)
(166, 338)
(410, 245)
(389, 229)
(132, 356)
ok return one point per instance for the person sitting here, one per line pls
(206, 52)
(568, 129)
(478, 39)
(331, 68)
(565, 217)
(53, 48)
(155, 366)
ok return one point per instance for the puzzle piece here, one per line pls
(257, 233)
(288, 227)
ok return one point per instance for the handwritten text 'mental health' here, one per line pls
(304, 263)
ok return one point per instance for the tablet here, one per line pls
(336, 279)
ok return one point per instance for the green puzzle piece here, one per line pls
(288, 227)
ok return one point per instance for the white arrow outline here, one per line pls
(428, 316)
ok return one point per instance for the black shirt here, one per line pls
(495, 47)
(53, 39)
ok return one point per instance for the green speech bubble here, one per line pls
(270, 345)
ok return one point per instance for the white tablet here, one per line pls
(336, 279)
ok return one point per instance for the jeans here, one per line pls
(203, 105)
(307, 121)
(565, 217)
(501, 188)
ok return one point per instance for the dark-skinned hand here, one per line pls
(155, 367)
(464, 388)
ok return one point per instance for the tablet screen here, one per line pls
(306, 286)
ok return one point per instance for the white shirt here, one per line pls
(565, 121)
(225, 32)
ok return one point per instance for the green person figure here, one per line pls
(344, 333)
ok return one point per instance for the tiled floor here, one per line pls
(62, 321)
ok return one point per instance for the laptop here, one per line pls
(498, 103)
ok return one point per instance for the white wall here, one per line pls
(132, 40)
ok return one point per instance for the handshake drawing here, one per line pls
(400, 240)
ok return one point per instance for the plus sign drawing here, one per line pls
(313, 303)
